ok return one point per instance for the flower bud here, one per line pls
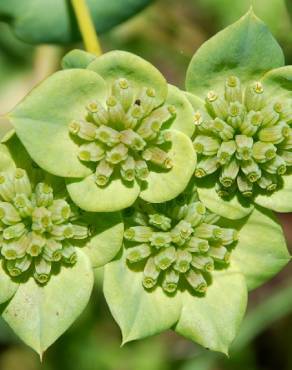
(216, 105)
(138, 253)
(276, 166)
(8, 214)
(107, 135)
(69, 254)
(160, 239)
(60, 211)
(23, 205)
(233, 89)
(140, 234)
(170, 281)
(80, 231)
(226, 151)
(254, 97)
(220, 254)
(93, 152)
(263, 152)
(222, 129)
(117, 154)
(197, 245)
(141, 170)
(147, 100)
(14, 231)
(244, 186)
(235, 114)
(53, 250)
(211, 218)
(203, 263)
(83, 129)
(251, 170)
(195, 213)
(243, 147)
(165, 257)
(97, 113)
(18, 266)
(116, 112)
(103, 172)
(128, 169)
(270, 116)
(160, 221)
(157, 156)
(228, 236)
(21, 182)
(132, 140)
(286, 156)
(182, 261)
(36, 244)
(14, 249)
(41, 220)
(122, 90)
(42, 270)
(206, 145)
(44, 195)
(150, 274)
(196, 281)
(274, 134)
(206, 166)
(207, 231)
(229, 173)
(65, 231)
(251, 123)
(7, 190)
(132, 117)
(268, 182)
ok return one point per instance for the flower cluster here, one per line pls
(125, 135)
(248, 139)
(36, 230)
(177, 241)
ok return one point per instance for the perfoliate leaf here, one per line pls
(41, 120)
(138, 313)
(7, 286)
(261, 251)
(213, 320)
(107, 230)
(40, 314)
(54, 21)
(246, 49)
(77, 59)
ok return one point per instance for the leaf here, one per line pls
(261, 251)
(232, 209)
(107, 237)
(77, 59)
(280, 200)
(41, 119)
(53, 21)
(113, 197)
(246, 49)
(139, 313)
(213, 320)
(164, 186)
(184, 120)
(278, 82)
(121, 64)
(7, 286)
(40, 314)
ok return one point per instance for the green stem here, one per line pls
(86, 27)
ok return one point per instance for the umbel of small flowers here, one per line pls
(125, 135)
(177, 242)
(248, 141)
(36, 229)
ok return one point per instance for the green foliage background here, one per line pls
(167, 33)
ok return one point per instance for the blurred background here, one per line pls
(167, 33)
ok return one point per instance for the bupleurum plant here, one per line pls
(37, 231)
(125, 136)
(241, 94)
(114, 129)
(185, 267)
(177, 243)
(48, 249)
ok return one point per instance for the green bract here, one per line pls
(242, 97)
(48, 249)
(115, 130)
(184, 267)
